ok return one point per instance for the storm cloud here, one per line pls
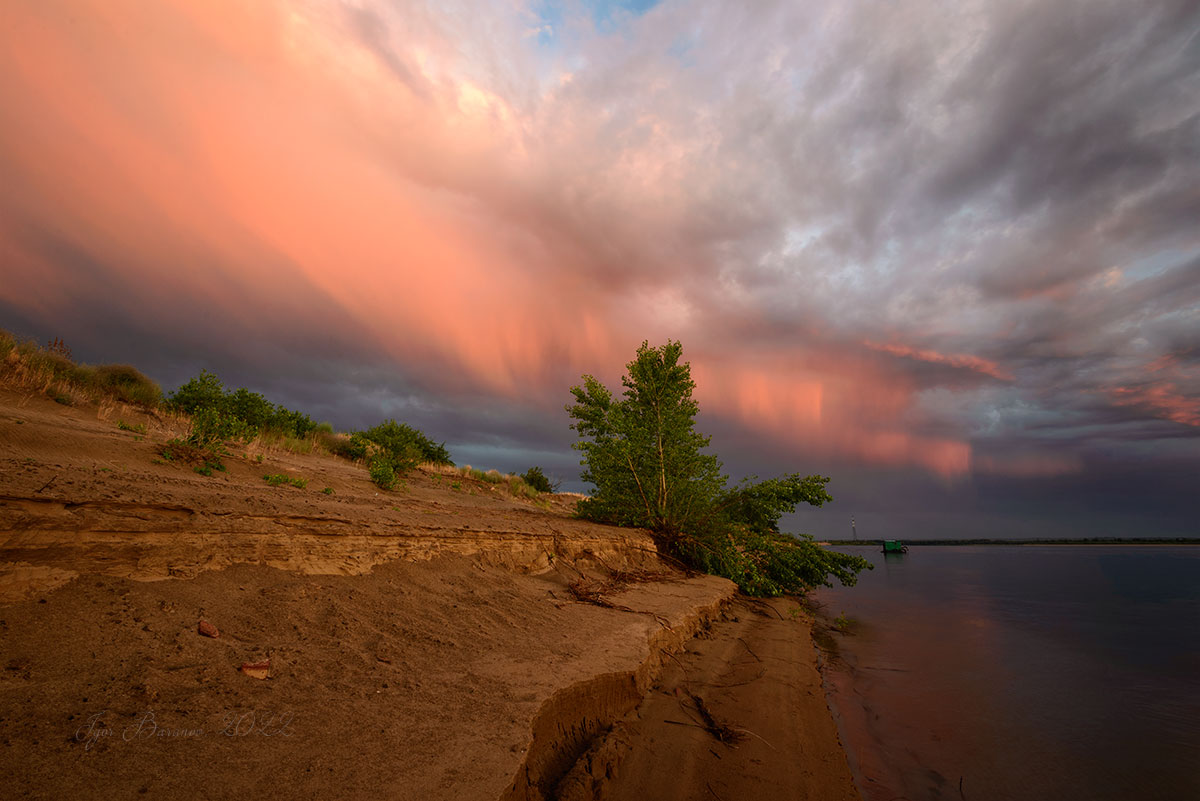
(947, 252)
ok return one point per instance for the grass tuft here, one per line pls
(53, 371)
(279, 479)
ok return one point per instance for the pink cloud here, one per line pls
(959, 360)
(1162, 399)
(272, 150)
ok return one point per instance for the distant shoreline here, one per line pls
(1089, 541)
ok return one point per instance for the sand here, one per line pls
(420, 644)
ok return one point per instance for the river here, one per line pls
(990, 673)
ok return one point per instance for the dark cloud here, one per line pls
(948, 252)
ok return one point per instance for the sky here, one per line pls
(947, 253)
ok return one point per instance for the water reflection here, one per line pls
(1024, 673)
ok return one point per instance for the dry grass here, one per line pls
(513, 483)
(51, 371)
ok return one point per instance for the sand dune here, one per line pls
(421, 644)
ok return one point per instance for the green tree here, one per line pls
(643, 453)
(647, 462)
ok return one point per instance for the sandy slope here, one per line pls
(78, 494)
(754, 673)
(422, 644)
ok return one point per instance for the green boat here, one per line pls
(894, 546)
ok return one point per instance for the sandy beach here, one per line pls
(428, 643)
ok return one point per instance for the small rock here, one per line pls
(257, 670)
(207, 629)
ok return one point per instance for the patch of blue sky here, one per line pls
(608, 16)
(1158, 262)
(550, 20)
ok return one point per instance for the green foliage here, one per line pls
(536, 479)
(356, 448)
(389, 449)
(328, 490)
(205, 443)
(402, 441)
(137, 428)
(205, 393)
(279, 479)
(250, 407)
(383, 474)
(518, 487)
(845, 624)
(642, 452)
(769, 563)
(760, 506)
(646, 459)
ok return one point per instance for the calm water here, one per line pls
(1018, 672)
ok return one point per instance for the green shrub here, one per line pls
(204, 459)
(137, 428)
(128, 384)
(535, 478)
(205, 392)
(212, 427)
(383, 475)
(403, 441)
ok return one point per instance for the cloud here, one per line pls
(894, 235)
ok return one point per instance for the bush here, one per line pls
(402, 441)
(211, 427)
(204, 459)
(383, 475)
(205, 392)
(389, 449)
(128, 384)
(535, 478)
